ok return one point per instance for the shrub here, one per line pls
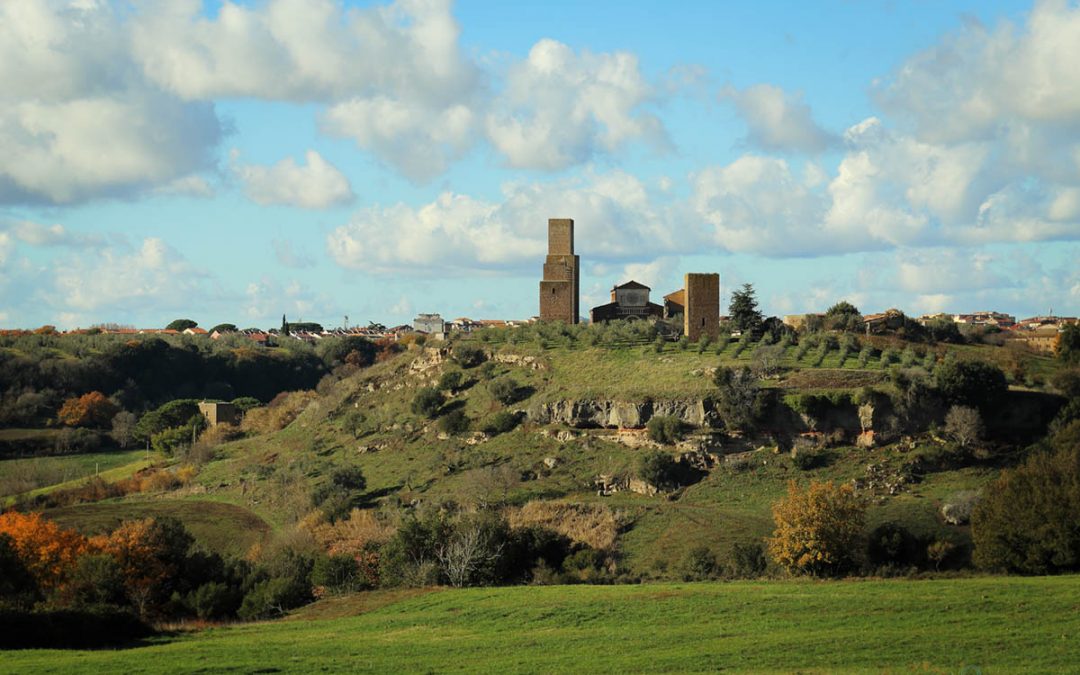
(1026, 520)
(428, 402)
(212, 600)
(273, 597)
(337, 573)
(83, 628)
(349, 478)
(959, 506)
(454, 422)
(891, 544)
(700, 564)
(703, 344)
(817, 529)
(805, 460)
(964, 425)
(666, 429)
(501, 422)
(450, 380)
(467, 355)
(503, 389)
(657, 468)
(747, 560)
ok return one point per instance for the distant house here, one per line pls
(799, 321)
(431, 324)
(258, 337)
(890, 319)
(675, 303)
(195, 330)
(628, 301)
(1050, 320)
(217, 412)
(1042, 339)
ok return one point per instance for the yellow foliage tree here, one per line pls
(48, 551)
(818, 530)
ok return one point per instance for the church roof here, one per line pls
(633, 285)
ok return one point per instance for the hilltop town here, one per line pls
(692, 311)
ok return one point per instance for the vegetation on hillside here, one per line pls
(464, 463)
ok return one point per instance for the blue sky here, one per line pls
(237, 161)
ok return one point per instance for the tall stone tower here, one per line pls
(562, 270)
(701, 316)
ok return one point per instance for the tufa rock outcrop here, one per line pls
(620, 414)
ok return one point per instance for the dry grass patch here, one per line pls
(593, 524)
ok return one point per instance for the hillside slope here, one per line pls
(366, 420)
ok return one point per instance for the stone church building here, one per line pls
(628, 301)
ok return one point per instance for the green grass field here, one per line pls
(982, 625)
(216, 526)
(37, 475)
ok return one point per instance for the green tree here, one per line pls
(745, 315)
(1068, 344)
(181, 324)
(843, 316)
(841, 308)
(450, 380)
(467, 355)
(224, 328)
(739, 400)
(1026, 521)
(503, 389)
(428, 402)
(972, 383)
(454, 422)
(665, 429)
(658, 468)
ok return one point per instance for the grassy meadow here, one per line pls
(941, 626)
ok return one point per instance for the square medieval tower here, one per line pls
(559, 287)
(701, 316)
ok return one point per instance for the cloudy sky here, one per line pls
(233, 161)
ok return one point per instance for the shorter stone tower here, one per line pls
(559, 287)
(701, 316)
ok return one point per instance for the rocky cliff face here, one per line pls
(620, 414)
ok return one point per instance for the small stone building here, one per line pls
(675, 303)
(628, 301)
(432, 324)
(217, 412)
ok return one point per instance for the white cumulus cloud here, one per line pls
(318, 184)
(777, 120)
(559, 107)
(457, 233)
(77, 119)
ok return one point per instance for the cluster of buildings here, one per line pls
(698, 301)
(1038, 332)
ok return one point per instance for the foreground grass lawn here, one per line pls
(993, 624)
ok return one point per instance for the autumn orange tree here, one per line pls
(89, 410)
(818, 530)
(149, 553)
(48, 551)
